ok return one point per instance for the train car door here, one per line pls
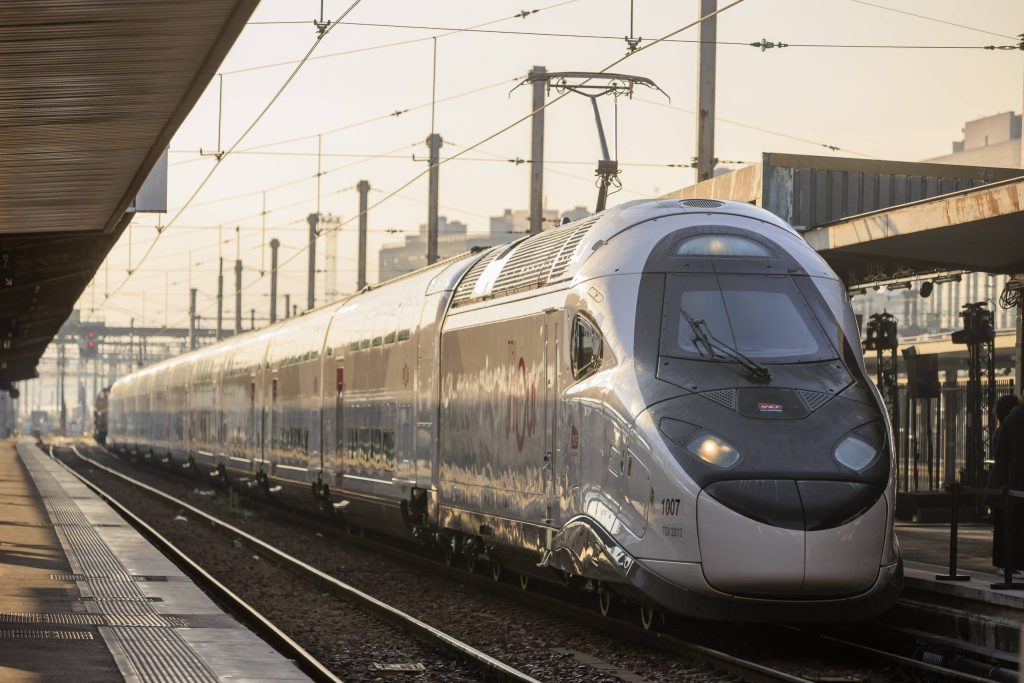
(339, 425)
(273, 417)
(253, 445)
(552, 459)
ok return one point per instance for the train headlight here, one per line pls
(713, 450)
(855, 453)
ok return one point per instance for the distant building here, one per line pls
(454, 238)
(990, 141)
(518, 221)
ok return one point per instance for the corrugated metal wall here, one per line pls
(813, 191)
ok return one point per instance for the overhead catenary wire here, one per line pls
(719, 119)
(761, 44)
(449, 31)
(517, 122)
(508, 127)
(225, 153)
(934, 19)
(500, 132)
(381, 117)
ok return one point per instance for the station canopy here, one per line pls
(91, 94)
(876, 221)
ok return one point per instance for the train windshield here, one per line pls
(762, 317)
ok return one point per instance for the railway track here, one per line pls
(490, 667)
(738, 666)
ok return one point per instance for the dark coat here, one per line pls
(1008, 456)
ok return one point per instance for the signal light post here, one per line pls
(882, 338)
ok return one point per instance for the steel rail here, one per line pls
(288, 647)
(407, 622)
(749, 671)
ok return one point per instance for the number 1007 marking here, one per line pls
(670, 506)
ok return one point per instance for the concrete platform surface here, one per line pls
(87, 598)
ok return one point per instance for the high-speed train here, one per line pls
(665, 402)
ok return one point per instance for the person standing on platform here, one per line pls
(1007, 470)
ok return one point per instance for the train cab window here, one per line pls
(587, 348)
(722, 245)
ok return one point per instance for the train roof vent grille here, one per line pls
(814, 399)
(465, 290)
(725, 397)
(533, 261)
(703, 203)
(561, 263)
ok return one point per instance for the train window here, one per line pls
(587, 348)
(376, 445)
(389, 338)
(364, 445)
(721, 245)
(388, 446)
(377, 341)
(403, 335)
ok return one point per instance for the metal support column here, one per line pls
(314, 220)
(979, 336)
(537, 152)
(192, 318)
(274, 245)
(705, 161)
(364, 189)
(238, 296)
(220, 298)
(1018, 345)
(287, 306)
(434, 144)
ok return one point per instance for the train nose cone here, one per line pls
(786, 537)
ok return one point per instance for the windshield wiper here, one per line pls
(710, 343)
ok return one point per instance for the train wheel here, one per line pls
(524, 582)
(648, 617)
(496, 570)
(607, 602)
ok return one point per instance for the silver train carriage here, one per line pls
(667, 401)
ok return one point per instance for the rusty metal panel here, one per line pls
(884, 191)
(870, 202)
(819, 183)
(854, 194)
(836, 184)
(813, 190)
(804, 196)
(900, 195)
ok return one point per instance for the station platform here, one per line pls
(968, 611)
(86, 598)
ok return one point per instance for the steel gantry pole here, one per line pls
(314, 220)
(434, 144)
(705, 161)
(238, 296)
(192, 318)
(220, 297)
(364, 189)
(537, 76)
(274, 245)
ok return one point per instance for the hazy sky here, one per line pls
(905, 104)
